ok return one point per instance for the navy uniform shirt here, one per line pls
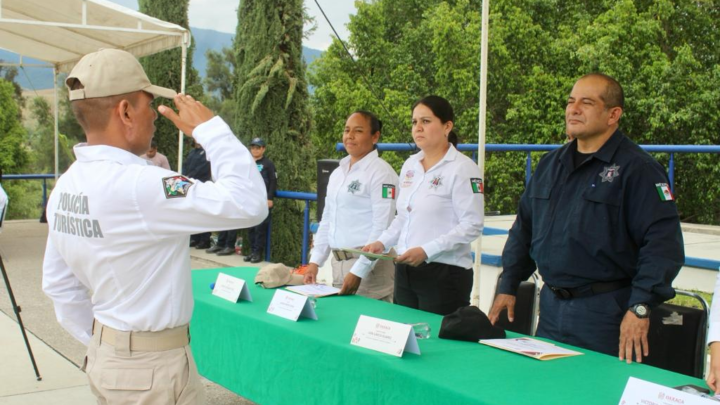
(269, 175)
(611, 218)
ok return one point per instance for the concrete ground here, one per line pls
(22, 245)
(58, 355)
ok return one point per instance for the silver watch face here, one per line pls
(641, 310)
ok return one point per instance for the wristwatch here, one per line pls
(642, 311)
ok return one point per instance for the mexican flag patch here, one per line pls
(388, 191)
(477, 185)
(664, 191)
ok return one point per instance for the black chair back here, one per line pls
(525, 309)
(677, 338)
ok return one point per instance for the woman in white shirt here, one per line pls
(440, 212)
(359, 205)
(713, 374)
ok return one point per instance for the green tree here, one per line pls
(219, 84)
(164, 70)
(271, 96)
(14, 156)
(41, 139)
(665, 53)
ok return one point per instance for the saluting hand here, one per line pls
(351, 283)
(191, 113)
(412, 257)
(311, 272)
(502, 301)
(633, 336)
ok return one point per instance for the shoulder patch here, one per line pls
(388, 191)
(176, 186)
(477, 185)
(664, 192)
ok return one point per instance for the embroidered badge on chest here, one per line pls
(610, 173)
(436, 182)
(354, 186)
(176, 186)
(407, 181)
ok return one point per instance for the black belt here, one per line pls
(590, 289)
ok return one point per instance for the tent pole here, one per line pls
(182, 90)
(475, 299)
(57, 115)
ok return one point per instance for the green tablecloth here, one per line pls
(274, 361)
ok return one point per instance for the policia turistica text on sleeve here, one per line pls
(599, 221)
(117, 265)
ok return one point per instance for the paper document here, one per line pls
(381, 256)
(314, 290)
(534, 348)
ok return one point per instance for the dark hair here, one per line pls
(614, 96)
(442, 109)
(375, 123)
(153, 144)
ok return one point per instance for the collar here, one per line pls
(605, 153)
(86, 153)
(450, 155)
(360, 164)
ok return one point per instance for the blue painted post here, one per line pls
(44, 193)
(671, 172)
(306, 226)
(528, 168)
(267, 238)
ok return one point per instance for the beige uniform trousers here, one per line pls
(378, 284)
(120, 375)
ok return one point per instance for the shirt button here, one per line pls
(409, 208)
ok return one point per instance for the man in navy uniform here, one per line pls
(599, 222)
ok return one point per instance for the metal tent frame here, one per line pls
(61, 32)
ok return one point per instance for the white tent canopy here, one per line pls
(60, 32)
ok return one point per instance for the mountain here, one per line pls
(41, 78)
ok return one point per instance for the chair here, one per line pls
(526, 308)
(677, 337)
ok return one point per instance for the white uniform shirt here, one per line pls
(119, 232)
(714, 333)
(441, 210)
(3, 206)
(359, 205)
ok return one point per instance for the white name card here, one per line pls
(388, 337)
(291, 306)
(231, 288)
(640, 392)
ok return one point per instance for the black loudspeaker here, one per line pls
(324, 168)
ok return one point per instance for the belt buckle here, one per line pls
(561, 293)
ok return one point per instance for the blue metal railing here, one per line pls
(409, 147)
(528, 149)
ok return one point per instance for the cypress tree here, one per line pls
(164, 70)
(271, 95)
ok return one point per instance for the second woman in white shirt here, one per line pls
(440, 212)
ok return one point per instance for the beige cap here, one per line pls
(111, 72)
(277, 275)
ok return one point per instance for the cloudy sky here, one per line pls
(221, 15)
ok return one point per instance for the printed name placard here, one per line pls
(642, 392)
(384, 336)
(231, 288)
(291, 306)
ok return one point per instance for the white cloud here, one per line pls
(221, 15)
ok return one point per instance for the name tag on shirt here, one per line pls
(291, 306)
(643, 392)
(383, 336)
(231, 288)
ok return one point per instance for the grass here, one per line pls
(691, 302)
